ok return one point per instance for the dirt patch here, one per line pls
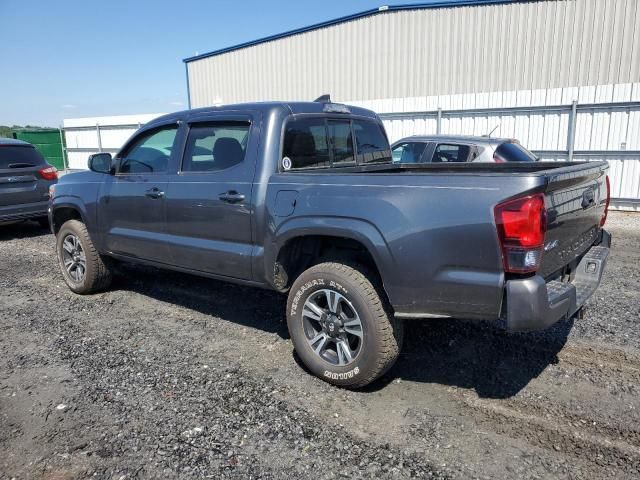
(172, 376)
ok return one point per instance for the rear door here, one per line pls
(209, 199)
(20, 182)
(132, 202)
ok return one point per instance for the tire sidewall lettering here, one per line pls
(316, 282)
(342, 376)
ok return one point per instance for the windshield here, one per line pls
(514, 152)
(17, 156)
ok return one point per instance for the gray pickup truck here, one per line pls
(303, 198)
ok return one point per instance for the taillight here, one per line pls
(521, 225)
(606, 204)
(49, 173)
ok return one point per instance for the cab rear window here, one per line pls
(17, 156)
(318, 142)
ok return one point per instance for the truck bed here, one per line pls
(529, 168)
(435, 223)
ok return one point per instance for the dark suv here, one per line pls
(25, 178)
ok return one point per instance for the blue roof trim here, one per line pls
(355, 16)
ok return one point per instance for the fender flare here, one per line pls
(345, 227)
(68, 201)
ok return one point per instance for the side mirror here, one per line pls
(100, 162)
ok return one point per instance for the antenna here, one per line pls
(326, 98)
(494, 129)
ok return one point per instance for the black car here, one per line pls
(25, 178)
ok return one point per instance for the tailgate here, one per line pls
(575, 198)
(20, 186)
(20, 182)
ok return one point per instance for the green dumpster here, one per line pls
(48, 141)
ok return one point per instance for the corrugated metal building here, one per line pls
(439, 48)
(563, 76)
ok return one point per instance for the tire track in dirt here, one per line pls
(610, 454)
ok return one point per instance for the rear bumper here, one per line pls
(533, 304)
(10, 213)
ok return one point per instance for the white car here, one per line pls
(459, 148)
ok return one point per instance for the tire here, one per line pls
(310, 316)
(96, 274)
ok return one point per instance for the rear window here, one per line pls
(14, 156)
(305, 143)
(514, 152)
(322, 143)
(371, 141)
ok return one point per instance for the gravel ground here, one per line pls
(172, 376)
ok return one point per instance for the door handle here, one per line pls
(154, 193)
(231, 196)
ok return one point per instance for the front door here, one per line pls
(209, 199)
(132, 202)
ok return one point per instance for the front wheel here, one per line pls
(341, 326)
(83, 268)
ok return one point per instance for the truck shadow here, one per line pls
(465, 354)
(24, 229)
(476, 355)
(248, 306)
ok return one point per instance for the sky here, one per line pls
(71, 58)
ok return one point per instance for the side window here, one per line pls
(305, 143)
(446, 153)
(149, 153)
(372, 143)
(215, 146)
(341, 142)
(410, 152)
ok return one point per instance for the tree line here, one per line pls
(7, 131)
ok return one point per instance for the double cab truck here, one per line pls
(303, 198)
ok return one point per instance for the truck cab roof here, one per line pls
(294, 108)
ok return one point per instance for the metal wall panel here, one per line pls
(603, 131)
(413, 53)
(84, 136)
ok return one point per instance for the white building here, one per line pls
(562, 76)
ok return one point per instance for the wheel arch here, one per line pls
(302, 243)
(63, 212)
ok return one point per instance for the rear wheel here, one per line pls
(340, 325)
(83, 268)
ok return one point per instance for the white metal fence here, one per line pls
(580, 131)
(594, 131)
(84, 136)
